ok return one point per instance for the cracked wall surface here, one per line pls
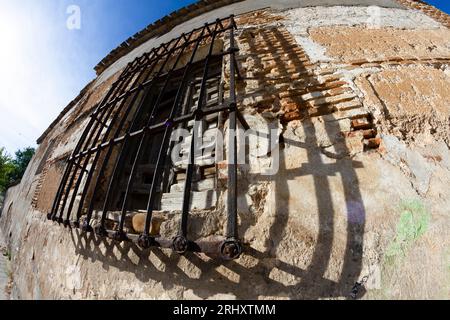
(362, 118)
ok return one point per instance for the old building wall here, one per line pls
(361, 187)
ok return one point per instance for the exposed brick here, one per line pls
(373, 143)
(361, 124)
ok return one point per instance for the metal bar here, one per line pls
(149, 81)
(109, 153)
(86, 225)
(223, 28)
(181, 242)
(242, 120)
(143, 140)
(104, 125)
(231, 248)
(154, 128)
(94, 134)
(63, 181)
(164, 146)
(109, 110)
(130, 69)
(119, 163)
(77, 148)
(104, 116)
(86, 162)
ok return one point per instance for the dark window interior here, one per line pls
(174, 174)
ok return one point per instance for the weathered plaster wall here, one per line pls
(362, 188)
(236, 9)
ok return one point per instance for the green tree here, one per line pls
(12, 170)
(21, 161)
(6, 170)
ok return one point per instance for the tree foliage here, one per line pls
(12, 170)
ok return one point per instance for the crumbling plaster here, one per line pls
(327, 218)
(236, 9)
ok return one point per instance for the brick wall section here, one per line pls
(431, 11)
(280, 80)
(37, 191)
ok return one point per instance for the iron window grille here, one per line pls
(147, 102)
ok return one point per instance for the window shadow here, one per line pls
(207, 277)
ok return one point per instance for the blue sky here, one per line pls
(44, 64)
(444, 5)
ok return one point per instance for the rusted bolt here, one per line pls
(66, 223)
(231, 249)
(119, 236)
(169, 123)
(145, 241)
(180, 245)
(86, 227)
(101, 231)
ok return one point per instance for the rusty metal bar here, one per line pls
(145, 238)
(105, 114)
(120, 235)
(86, 225)
(110, 149)
(131, 83)
(193, 41)
(117, 132)
(231, 248)
(93, 135)
(153, 129)
(181, 242)
(149, 81)
(57, 200)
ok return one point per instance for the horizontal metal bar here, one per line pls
(154, 129)
(80, 167)
(212, 247)
(145, 84)
(231, 25)
(99, 121)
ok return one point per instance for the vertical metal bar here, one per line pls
(57, 200)
(95, 135)
(231, 248)
(119, 234)
(119, 164)
(105, 113)
(111, 146)
(165, 141)
(232, 150)
(86, 226)
(149, 61)
(181, 243)
(116, 133)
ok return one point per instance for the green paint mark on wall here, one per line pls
(414, 222)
